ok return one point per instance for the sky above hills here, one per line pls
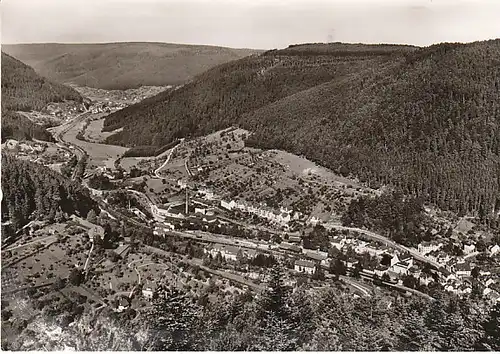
(262, 24)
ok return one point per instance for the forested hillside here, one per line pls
(16, 126)
(24, 90)
(123, 65)
(32, 191)
(321, 319)
(426, 120)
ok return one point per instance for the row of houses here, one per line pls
(282, 216)
(467, 248)
(231, 253)
(399, 265)
(162, 228)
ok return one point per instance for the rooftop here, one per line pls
(304, 263)
(462, 267)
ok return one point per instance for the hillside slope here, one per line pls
(123, 65)
(426, 120)
(219, 97)
(24, 90)
(18, 127)
(32, 191)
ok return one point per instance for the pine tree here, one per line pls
(301, 315)
(325, 338)
(277, 335)
(174, 322)
(275, 297)
(435, 319)
(414, 335)
(491, 328)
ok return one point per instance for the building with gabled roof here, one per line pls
(463, 269)
(402, 267)
(295, 239)
(304, 266)
(290, 247)
(469, 248)
(427, 247)
(123, 304)
(228, 252)
(493, 250)
(381, 270)
(149, 290)
(315, 255)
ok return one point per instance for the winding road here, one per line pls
(157, 171)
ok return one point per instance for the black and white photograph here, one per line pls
(250, 175)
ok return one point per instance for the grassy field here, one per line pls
(309, 170)
(94, 132)
(100, 154)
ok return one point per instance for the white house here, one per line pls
(284, 218)
(163, 228)
(425, 279)
(338, 242)
(350, 263)
(494, 250)
(489, 282)
(487, 291)
(228, 205)
(426, 247)
(394, 260)
(241, 205)
(316, 255)
(463, 269)
(123, 304)
(381, 270)
(464, 289)
(469, 248)
(402, 267)
(294, 239)
(304, 266)
(160, 214)
(202, 211)
(227, 252)
(360, 247)
(451, 288)
(372, 250)
(443, 258)
(149, 290)
(314, 220)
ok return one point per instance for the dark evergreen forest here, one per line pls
(24, 90)
(32, 191)
(425, 120)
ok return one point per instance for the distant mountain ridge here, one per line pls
(426, 120)
(123, 65)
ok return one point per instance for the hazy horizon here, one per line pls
(257, 24)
